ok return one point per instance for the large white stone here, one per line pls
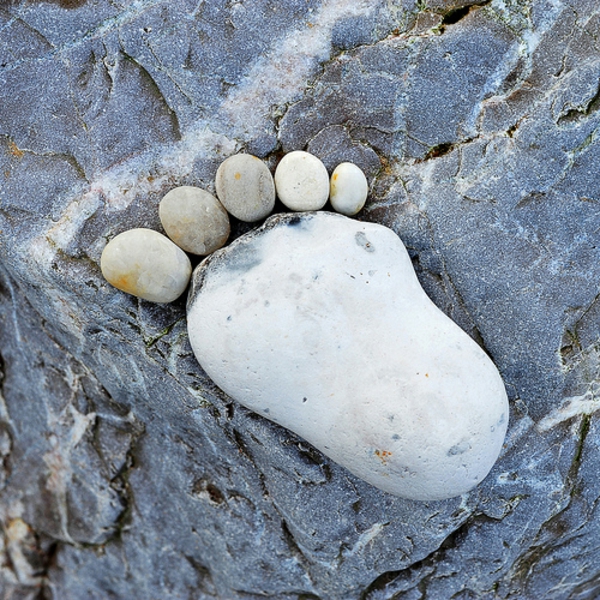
(318, 322)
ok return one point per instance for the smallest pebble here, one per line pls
(194, 219)
(302, 181)
(348, 189)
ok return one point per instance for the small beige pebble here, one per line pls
(146, 264)
(348, 189)
(302, 181)
(194, 219)
(245, 187)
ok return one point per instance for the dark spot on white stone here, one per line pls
(460, 448)
(363, 242)
(242, 258)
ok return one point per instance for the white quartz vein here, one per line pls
(281, 76)
(586, 404)
(366, 537)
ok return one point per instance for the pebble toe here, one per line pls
(302, 181)
(245, 186)
(146, 264)
(348, 189)
(194, 219)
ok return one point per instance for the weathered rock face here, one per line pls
(317, 322)
(124, 471)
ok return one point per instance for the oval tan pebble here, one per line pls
(194, 219)
(349, 189)
(245, 187)
(302, 181)
(146, 264)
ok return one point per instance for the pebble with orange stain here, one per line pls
(146, 264)
(348, 189)
(245, 187)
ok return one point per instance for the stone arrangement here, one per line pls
(291, 317)
(124, 471)
(144, 264)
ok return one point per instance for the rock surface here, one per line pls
(194, 219)
(318, 322)
(146, 264)
(478, 125)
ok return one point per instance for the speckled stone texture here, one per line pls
(124, 472)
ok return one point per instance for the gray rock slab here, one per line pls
(124, 472)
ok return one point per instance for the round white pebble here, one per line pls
(245, 186)
(194, 219)
(302, 181)
(146, 264)
(349, 189)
